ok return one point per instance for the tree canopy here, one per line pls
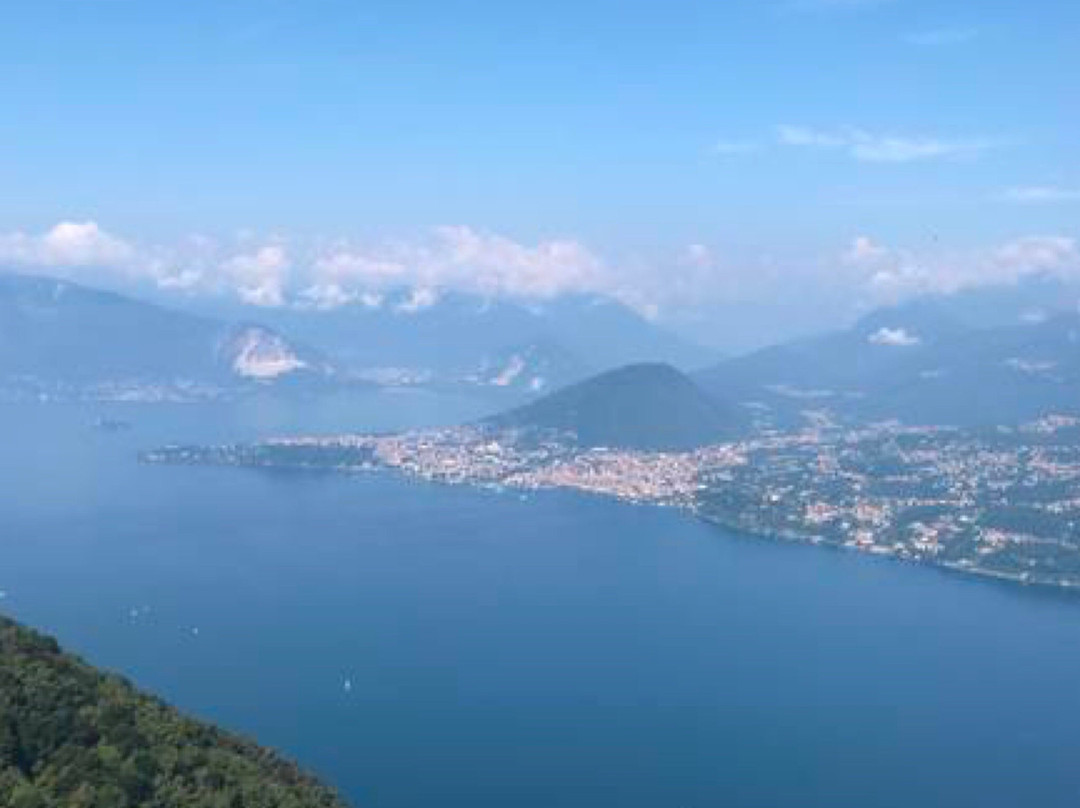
(74, 737)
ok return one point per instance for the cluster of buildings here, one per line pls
(1003, 502)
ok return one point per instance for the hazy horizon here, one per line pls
(732, 170)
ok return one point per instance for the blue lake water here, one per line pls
(557, 650)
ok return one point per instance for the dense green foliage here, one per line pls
(72, 737)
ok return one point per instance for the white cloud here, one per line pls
(415, 273)
(182, 280)
(454, 258)
(940, 37)
(888, 275)
(890, 149)
(65, 245)
(493, 264)
(260, 277)
(270, 272)
(698, 256)
(326, 295)
(894, 337)
(419, 299)
(1038, 254)
(868, 147)
(864, 249)
(83, 244)
(464, 259)
(85, 250)
(693, 275)
(1038, 194)
(343, 264)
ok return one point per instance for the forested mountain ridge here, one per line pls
(73, 737)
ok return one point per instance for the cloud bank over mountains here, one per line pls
(273, 271)
(276, 271)
(890, 275)
(72, 244)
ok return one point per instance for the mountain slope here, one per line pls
(455, 335)
(919, 363)
(71, 736)
(534, 367)
(61, 333)
(999, 375)
(649, 406)
(882, 345)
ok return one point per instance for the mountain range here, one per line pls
(967, 360)
(57, 336)
(468, 339)
(986, 356)
(995, 356)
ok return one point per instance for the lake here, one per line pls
(419, 645)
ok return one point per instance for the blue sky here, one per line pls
(721, 136)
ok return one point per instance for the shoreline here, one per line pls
(1016, 581)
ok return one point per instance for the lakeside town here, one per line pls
(1002, 502)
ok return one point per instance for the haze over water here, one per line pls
(422, 645)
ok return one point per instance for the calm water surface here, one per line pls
(421, 645)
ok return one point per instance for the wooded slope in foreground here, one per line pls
(73, 737)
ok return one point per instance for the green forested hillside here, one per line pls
(72, 737)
